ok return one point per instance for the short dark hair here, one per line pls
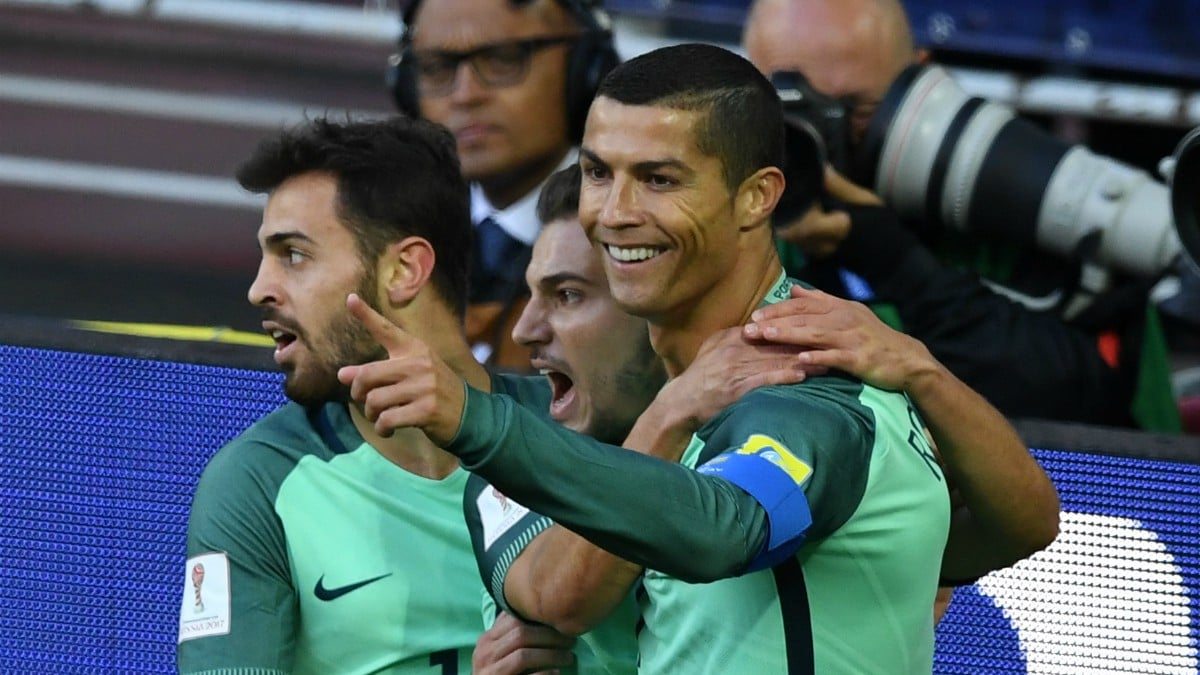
(744, 122)
(396, 177)
(559, 198)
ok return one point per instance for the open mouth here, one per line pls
(632, 253)
(562, 393)
(283, 340)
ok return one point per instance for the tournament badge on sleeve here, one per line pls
(498, 514)
(206, 607)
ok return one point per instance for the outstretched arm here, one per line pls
(1011, 507)
(566, 581)
(603, 492)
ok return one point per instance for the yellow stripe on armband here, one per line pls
(774, 451)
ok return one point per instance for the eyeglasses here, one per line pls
(500, 64)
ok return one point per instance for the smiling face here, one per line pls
(511, 133)
(596, 357)
(310, 263)
(660, 208)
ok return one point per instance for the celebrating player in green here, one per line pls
(800, 527)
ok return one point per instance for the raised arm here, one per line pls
(1011, 508)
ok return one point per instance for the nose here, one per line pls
(618, 207)
(467, 86)
(532, 327)
(263, 290)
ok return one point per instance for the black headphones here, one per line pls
(591, 56)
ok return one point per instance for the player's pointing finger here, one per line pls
(389, 336)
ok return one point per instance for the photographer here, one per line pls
(1106, 364)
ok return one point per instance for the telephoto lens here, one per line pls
(1185, 194)
(939, 156)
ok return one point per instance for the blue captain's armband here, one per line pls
(775, 477)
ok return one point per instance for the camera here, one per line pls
(816, 133)
(939, 156)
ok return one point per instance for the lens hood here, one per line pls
(1185, 194)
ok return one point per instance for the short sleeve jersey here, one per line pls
(500, 530)
(309, 552)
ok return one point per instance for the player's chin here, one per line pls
(576, 419)
(312, 389)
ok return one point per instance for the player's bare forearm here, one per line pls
(566, 582)
(1011, 507)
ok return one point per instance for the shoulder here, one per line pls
(257, 460)
(820, 416)
(829, 400)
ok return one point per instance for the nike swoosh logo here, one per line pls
(328, 594)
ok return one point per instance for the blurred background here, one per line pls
(121, 121)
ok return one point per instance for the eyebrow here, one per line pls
(428, 52)
(645, 166)
(280, 238)
(559, 278)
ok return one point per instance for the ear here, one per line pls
(758, 195)
(405, 268)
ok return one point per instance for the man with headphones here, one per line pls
(512, 80)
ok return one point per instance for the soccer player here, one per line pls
(316, 544)
(812, 513)
(598, 359)
(326, 546)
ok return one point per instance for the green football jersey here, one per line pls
(309, 552)
(500, 530)
(838, 468)
(858, 595)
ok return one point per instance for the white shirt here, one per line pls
(520, 219)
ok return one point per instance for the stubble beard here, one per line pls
(347, 343)
(635, 381)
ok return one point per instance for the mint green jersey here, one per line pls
(858, 595)
(309, 552)
(802, 531)
(500, 530)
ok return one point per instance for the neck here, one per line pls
(677, 338)
(504, 190)
(409, 448)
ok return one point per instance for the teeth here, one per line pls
(544, 371)
(276, 334)
(632, 254)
